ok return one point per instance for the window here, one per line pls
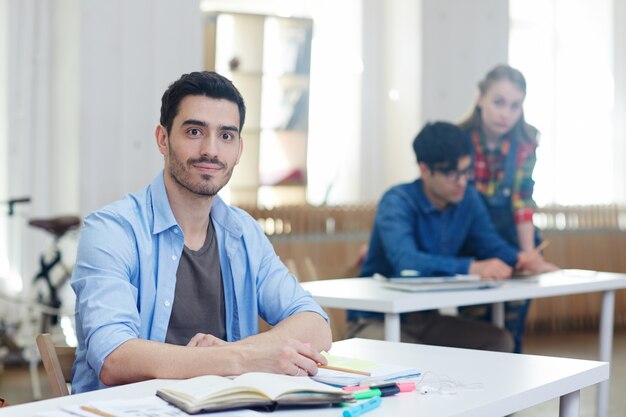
(565, 50)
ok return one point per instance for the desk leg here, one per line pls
(569, 405)
(497, 314)
(392, 327)
(606, 347)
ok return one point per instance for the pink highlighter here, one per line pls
(403, 386)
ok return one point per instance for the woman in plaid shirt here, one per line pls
(504, 156)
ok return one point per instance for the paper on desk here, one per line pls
(378, 372)
(151, 406)
(56, 413)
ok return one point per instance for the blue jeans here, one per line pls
(515, 312)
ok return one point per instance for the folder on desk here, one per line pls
(439, 283)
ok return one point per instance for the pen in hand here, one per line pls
(541, 247)
(532, 254)
(338, 368)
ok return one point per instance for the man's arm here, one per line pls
(306, 327)
(526, 236)
(138, 359)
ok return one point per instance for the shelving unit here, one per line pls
(268, 58)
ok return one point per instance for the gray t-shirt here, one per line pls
(199, 296)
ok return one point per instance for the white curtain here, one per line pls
(25, 140)
(567, 51)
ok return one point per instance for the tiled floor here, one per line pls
(15, 383)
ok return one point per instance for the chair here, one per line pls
(58, 361)
(337, 316)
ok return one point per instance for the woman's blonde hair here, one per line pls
(522, 131)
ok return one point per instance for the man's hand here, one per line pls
(290, 358)
(491, 269)
(534, 263)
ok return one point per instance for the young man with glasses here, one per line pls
(438, 226)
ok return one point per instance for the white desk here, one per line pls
(369, 295)
(511, 382)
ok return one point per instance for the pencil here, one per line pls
(96, 411)
(541, 246)
(338, 368)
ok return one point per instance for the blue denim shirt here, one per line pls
(410, 233)
(125, 277)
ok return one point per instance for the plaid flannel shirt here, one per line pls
(489, 173)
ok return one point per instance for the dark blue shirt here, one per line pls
(410, 233)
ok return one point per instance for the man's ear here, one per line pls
(424, 170)
(240, 150)
(160, 135)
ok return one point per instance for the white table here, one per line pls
(370, 295)
(510, 382)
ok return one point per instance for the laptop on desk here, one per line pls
(442, 283)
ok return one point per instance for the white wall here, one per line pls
(28, 140)
(129, 53)
(462, 40)
(84, 81)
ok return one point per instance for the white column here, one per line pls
(4, 175)
(619, 48)
(391, 89)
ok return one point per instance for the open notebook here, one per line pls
(447, 283)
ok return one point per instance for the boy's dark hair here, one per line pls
(440, 145)
(205, 83)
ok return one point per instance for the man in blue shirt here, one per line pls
(170, 281)
(437, 225)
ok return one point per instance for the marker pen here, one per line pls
(365, 394)
(406, 386)
(355, 388)
(357, 410)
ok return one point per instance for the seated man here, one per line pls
(170, 281)
(437, 225)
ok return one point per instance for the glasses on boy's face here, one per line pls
(455, 174)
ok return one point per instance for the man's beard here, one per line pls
(209, 186)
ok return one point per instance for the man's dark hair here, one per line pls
(440, 145)
(205, 83)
